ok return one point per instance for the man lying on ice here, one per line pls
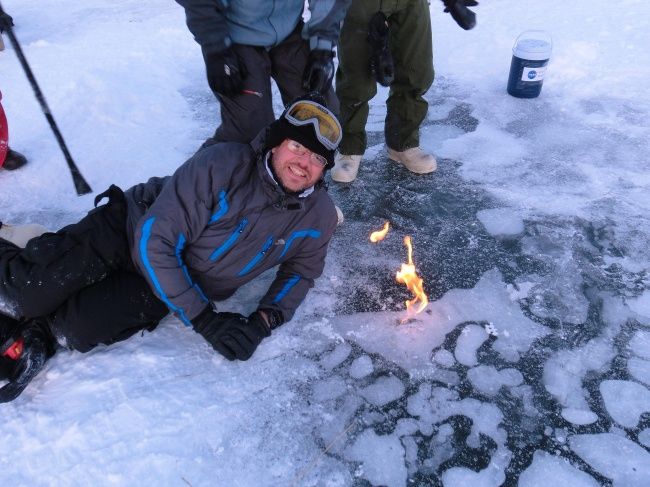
(175, 244)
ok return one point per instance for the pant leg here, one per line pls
(109, 311)
(355, 85)
(36, 280)
(410, 29)
(288, 62)
(244, 115)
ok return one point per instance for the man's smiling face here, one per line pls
(296, 167)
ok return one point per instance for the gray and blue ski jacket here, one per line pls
(216, 24)
(219, 222)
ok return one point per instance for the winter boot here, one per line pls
(21, 234)
(345, 168)
(414, 159)
(14, 160)
(24, 353)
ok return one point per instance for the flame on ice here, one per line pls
(407, 276)
(379, 235)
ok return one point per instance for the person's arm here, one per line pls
(295, 276)
(322, 31)
(182, 210)
(324, 26)
(206, 20)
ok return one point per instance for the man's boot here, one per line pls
(14, 160)
(25, 349)
(346, 168)
(414, 159)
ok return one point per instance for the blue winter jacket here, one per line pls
(216, 24)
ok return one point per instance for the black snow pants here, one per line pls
(82, 279)
(245, 114)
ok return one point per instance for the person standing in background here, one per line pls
(9, 159)
(245, 44)
(387, 43)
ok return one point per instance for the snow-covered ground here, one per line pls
(531, 364)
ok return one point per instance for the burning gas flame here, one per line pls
(379, 235)
(407, 275)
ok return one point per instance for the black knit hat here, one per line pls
(282, 129)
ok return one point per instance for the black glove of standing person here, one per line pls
(460, 13)
(381, 60)
(225, 72)
(232, 335)
(319, 71)
(5, 21)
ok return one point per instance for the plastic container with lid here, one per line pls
(530, 56)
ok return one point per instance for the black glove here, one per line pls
(319, 71)
(460, 13)
(231, 334)
(381, 61)
(225, 73)
(5, 21)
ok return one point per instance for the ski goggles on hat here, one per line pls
(327, 127)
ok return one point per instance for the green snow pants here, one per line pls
(410, 43)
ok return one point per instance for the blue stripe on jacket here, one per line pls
(265, 248)
(144, 240)
(230, 241)
(223, 208)
(310, 232)
(286, 288)
(180, 245)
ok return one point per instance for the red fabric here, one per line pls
(4, 134)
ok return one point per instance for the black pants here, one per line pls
(245, 114)
(82, 279)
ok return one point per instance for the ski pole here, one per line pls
(80, 183)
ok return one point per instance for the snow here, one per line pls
(641, 304)
(640, 344)
(639, 369)
(488, 380)
(379, 456)
(361, 367)
(531, 238)
(546, 466)
(625, 401)
(501, 222)
(617, 458)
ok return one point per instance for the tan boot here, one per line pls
(414, 159)
(345, 168)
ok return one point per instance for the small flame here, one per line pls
(407, 275)
(379, 235)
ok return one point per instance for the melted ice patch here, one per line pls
(410, 345)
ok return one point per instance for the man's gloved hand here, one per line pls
(460, 13)
(232, 335)
(225, 73)
(5, 21)
(381, 61)
(319, 71)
